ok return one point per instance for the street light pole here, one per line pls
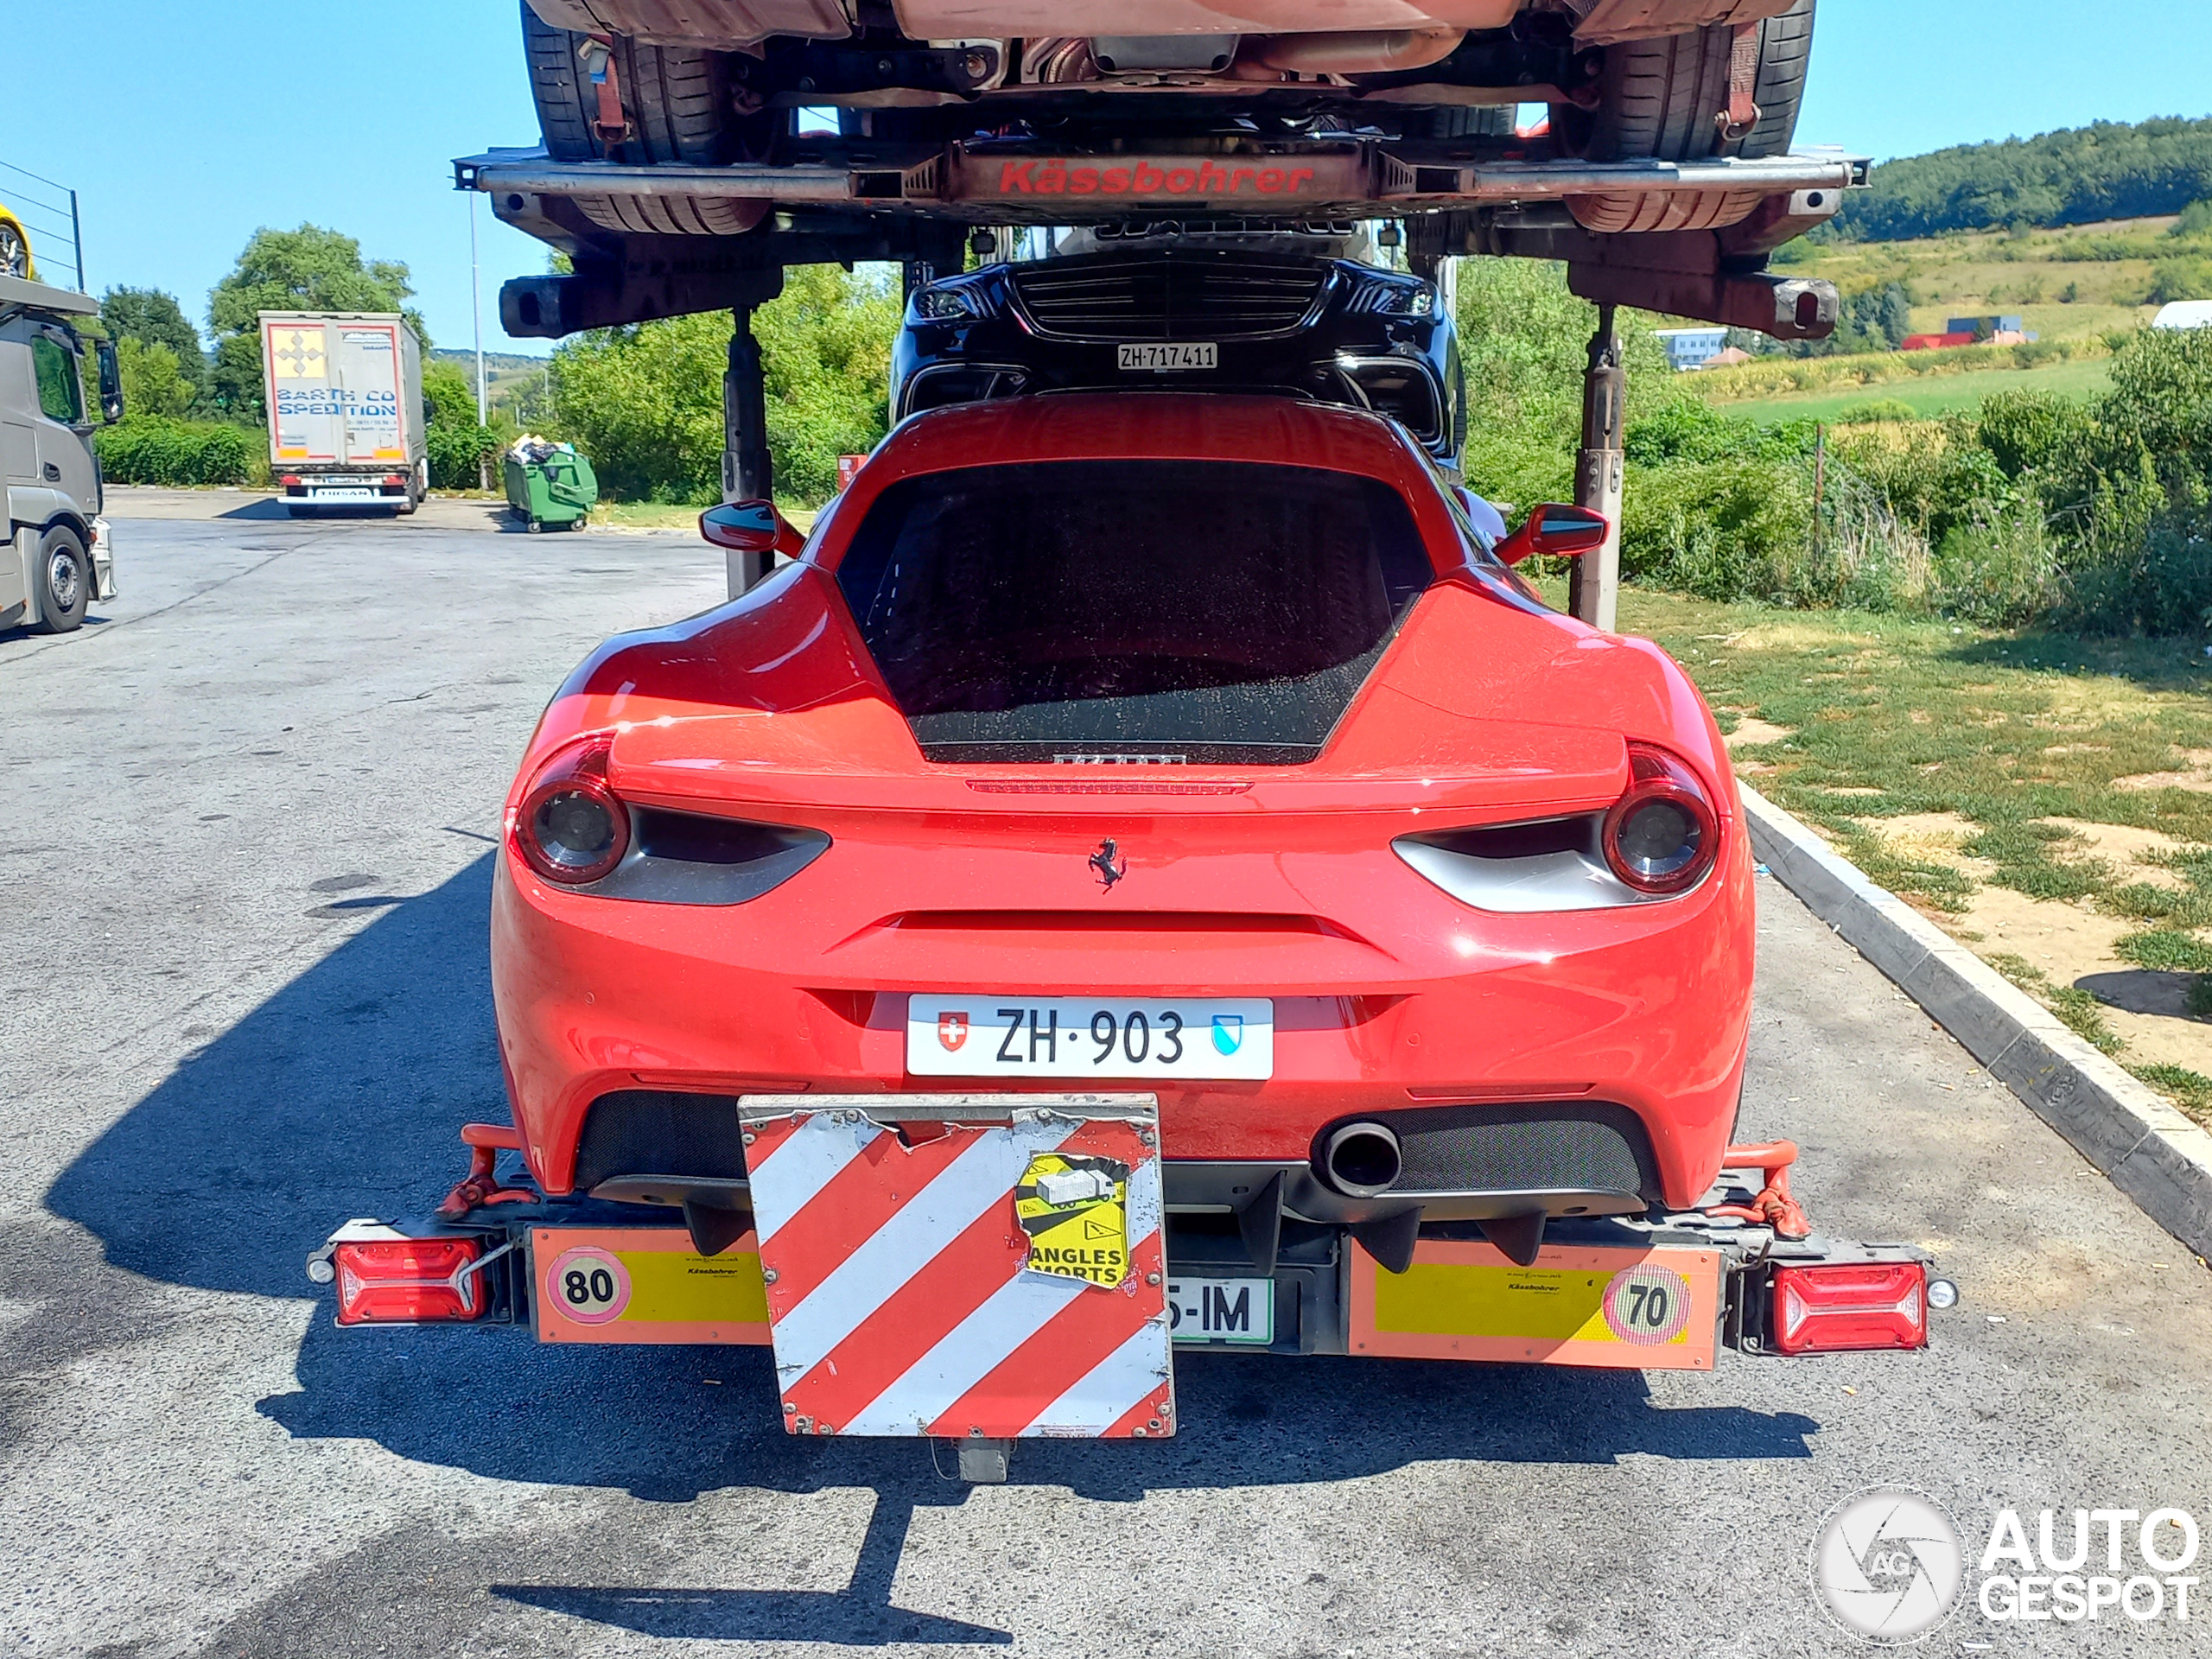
(476, 299)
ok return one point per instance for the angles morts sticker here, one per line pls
(1075, 1210)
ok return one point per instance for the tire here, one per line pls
(64, 576)
(15, 253)
(1460, 121)
(674, 215)
(1659, 97)
(677, 97)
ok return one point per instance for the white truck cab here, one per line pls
(55, 558)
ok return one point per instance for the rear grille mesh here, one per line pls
(1533, 1148)
(646, 1132)
(1172, 298)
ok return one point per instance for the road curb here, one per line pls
(2146, 1146)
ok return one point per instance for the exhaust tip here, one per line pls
(1362, 1161)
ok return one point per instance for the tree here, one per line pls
(308, 270)
(153, 384)
(458, 445)
(153, 318)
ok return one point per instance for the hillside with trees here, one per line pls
(2079, 176)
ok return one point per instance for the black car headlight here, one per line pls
(1394, 296)
(960, 299)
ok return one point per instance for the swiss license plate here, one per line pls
(1185, 354)
(1221, 1310)
(1014, 1036)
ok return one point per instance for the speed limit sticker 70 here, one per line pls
(588, 1284)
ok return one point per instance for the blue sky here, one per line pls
(182, 130)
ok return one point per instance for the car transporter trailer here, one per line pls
(1307, 1261)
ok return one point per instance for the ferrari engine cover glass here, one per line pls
(1178, 610)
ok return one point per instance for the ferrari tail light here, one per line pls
(408, 1281)
(571, 828)
(1662, 835)
(1850, 1306)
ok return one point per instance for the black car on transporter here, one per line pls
(1187, 316)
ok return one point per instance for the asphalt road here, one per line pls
(244, 997)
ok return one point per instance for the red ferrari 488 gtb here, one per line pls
(1147, 867)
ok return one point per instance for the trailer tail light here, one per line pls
(1850, 1306)
(408, 1281)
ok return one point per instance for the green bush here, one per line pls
(1728, 529)
(645, 404)
(1877, 412)
(2000, 570)
(2186, 278)
(151, 450)
(458, 445)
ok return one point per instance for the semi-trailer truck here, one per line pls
(55, 558)
(348, 425)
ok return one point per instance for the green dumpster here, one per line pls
(551, 484)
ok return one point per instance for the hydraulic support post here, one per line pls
(1594, 586)
(748, 473)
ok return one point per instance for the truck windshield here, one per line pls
(60, 394)
(1130, 610)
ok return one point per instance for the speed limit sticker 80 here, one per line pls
(588, 1284)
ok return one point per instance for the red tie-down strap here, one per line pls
(1737, 121)
(1773, 1207)
(598, 55)
(485, 1141)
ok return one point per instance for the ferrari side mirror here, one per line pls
(1560, 532)
(743, 526)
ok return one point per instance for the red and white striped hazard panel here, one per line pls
(963, 1265)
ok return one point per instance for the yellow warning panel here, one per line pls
(299, 354)
(1076, 1210)
(1645, 1309)
(645, 1285)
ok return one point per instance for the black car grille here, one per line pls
(1168, 298)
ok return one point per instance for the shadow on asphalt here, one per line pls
(341, 1096)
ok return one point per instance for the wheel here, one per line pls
(674, 96)
(679, 101)
(578, 522)
(532, 526)
(15, 252)
(64, 575)
(408, 503)
(1663, 98)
